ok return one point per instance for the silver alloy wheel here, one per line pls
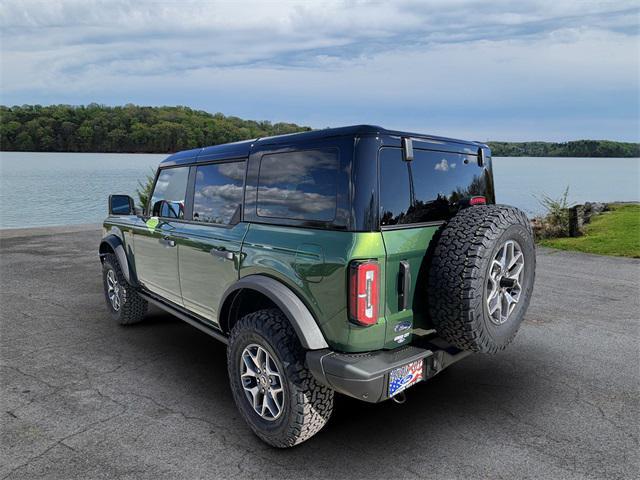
(262, 382)
(504, 285)
(113, 290)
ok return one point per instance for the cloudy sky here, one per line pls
(502, 70)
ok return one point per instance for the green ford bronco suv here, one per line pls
(354, 260)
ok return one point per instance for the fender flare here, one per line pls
(286, 300)
(117, 246)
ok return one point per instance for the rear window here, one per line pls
(427, 189)
(298, 185)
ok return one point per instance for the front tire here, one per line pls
(276, 394)
(124, 303)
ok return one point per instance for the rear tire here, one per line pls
(124, 303)
(296, 406)
(482, 262)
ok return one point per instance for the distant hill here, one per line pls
(136, 129)
(127, 129)
(578, 148)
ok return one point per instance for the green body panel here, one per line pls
(204, 277)
(314, 263)
(409, 244)
(156, 263)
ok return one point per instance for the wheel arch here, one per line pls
(264, 292)
(113, 244)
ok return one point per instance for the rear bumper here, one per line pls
(365, 376)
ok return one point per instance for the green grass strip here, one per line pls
(616, 232)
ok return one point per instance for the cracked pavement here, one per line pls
(84, 398)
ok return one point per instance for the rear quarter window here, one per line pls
(430, 188)
(298, 185)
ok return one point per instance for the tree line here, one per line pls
(578, 148)
(127, 129)
(137, 129)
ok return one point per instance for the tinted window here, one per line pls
(429, 188)
(298, 185)
(168, 196)
(218, 193)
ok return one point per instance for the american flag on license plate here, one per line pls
(405, 376)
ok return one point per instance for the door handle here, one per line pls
(222, 253)
(167, 242)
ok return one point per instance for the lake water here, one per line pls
(41, 189)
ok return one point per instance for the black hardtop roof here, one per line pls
(243, 148)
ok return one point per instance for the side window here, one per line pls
(394, 187)
(298, 185)
(168, 195)
(218, 193)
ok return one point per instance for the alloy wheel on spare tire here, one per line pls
(481, 277)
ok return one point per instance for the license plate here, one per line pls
(403, 377)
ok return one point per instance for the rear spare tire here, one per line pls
(481, 277)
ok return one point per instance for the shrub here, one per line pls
(555, 222)
(144, 189)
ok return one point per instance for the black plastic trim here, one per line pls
(132, 206)
(365, 376)
(186, 317)
(404, 226)
(296, 311)
(117, 246)
(361, 375)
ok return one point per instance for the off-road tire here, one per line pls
(133, 307)
(307, 405)
(458, 275)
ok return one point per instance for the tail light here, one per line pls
(478, 201)
(364, 280)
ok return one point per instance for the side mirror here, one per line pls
(121, 205)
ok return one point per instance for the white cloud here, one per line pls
(442, 166)
(295, 167)
(233, 170)
(225, 192)
(294, 200)
(485, 67)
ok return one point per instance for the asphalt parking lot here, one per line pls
(84, 398)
